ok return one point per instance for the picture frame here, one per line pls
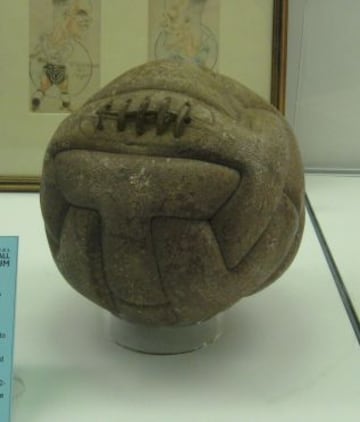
(24, 135)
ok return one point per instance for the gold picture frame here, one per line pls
(21, 150)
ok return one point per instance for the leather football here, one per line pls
(171, 194)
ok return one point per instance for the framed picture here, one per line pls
(56, 53)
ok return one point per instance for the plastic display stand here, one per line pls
(165, 340)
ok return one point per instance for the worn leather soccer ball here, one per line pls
(172, 193)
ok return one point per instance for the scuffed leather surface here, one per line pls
(162, 225)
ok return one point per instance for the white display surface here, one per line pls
(323, 81)
(287, 354)
(336, 200)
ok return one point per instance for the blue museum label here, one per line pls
(8, 275)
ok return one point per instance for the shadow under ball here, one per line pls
(171, 194)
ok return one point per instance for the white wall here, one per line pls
(323, 97)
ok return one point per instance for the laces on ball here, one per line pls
(144, 117)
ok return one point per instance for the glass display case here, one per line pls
(288, 353)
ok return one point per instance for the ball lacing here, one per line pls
(144, 117)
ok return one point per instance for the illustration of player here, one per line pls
(183, 36)
(50, 61)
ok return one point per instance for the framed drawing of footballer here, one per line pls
(58, 53)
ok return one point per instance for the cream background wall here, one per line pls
(245, 54)
(323, 86)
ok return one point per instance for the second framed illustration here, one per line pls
(57, 53)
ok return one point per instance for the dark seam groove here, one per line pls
(265, 229)
(152, 156)
(111, 293)
(271, 278)
(162, 283)
(199, 161)
(98, 268)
